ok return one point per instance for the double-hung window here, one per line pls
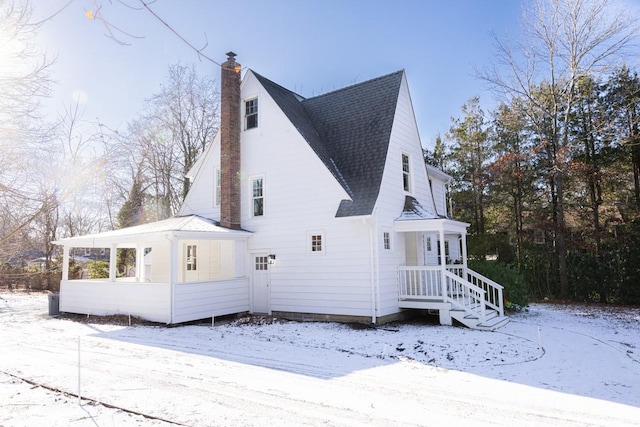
(406, 173)
(257, 195)
(251, 113)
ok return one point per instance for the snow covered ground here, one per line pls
(563, 366)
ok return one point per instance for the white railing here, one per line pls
(420, 282)
(466, 296)
(472, 293)
(493, 290)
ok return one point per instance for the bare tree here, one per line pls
(162, 145)
(563, 41)
(24, 80)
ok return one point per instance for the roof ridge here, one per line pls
(260, 76)
(351, 86)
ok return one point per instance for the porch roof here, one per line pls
(448, 226)
(186, 227)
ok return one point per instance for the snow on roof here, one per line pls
(190, 224)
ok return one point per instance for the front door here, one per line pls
(260, 284)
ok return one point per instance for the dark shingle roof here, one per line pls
(349, 130)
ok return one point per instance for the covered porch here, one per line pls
(185, 268)
(436, 276)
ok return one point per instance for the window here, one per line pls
(192, 258)
(262, 262)
(218, 187)
(429, 244)
(251, 113)
(406, 177)
(446, 251)
(316, 243)
(257, 195)
(386, 239)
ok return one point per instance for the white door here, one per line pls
(260, 284)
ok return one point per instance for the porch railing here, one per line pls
(420, 282)
(466, 296)
(472, 293)
(494, 295)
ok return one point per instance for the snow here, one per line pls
(552, 365)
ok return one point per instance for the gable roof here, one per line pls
(349, 130)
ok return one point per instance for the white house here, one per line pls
(308, 208)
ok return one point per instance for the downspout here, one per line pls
(373, 268)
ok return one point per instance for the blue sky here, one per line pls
(308, 46)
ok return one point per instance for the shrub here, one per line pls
(98, 269)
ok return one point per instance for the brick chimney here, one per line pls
(230, 143)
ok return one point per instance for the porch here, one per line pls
(456, 291)
(436, 277)
(177, 270)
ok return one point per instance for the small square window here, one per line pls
(251, 113)
(386, 238)
(316, 243)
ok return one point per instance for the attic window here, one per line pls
(406, 175)
(251, 113)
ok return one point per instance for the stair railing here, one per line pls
(466, 296)
(494, 291)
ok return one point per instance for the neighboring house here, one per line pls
(307, 208)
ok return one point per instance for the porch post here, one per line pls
(463, 236)
(140, 263)
(113, 251)
(65, 263)
(443, 263)
(173, 273)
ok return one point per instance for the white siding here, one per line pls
(200, 199)
(150, 301)
(193, 301)
(404, 140)
(301, 195)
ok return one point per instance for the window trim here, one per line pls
(253, 197)
(406, 174)
(255, 109)
(310, 242)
